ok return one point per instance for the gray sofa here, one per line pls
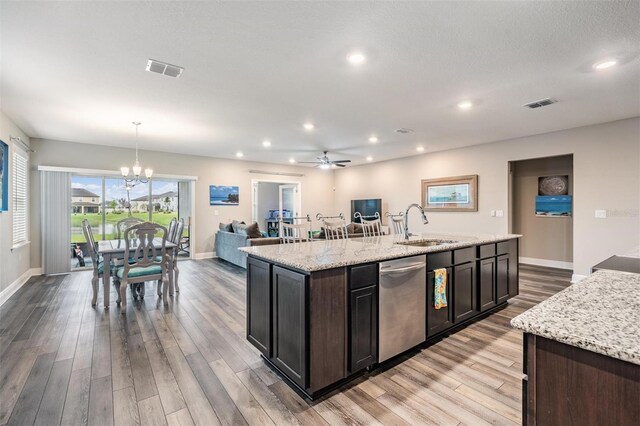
(228, 243)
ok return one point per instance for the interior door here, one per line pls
(288, 199)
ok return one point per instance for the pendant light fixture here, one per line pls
(135, 179)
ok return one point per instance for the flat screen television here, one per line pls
(367, 208)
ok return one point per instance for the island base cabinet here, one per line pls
(487, 283)
(259, 305)
(464, 295)
(363, 331)
(289, 350)
(439, 320)
(566, 385)
(502, 278)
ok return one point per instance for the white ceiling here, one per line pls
(254, 70)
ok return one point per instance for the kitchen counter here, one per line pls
(328, 254)
(600, 314)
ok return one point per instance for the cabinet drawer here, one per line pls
(363, 276)
(487, 250)
(503, 247)
(464, 255)
(439, 260)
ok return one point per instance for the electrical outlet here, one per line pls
(499, 213)
(601, 214)
(493, 213)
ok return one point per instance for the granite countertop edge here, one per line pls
(562, 317)
(308, 266)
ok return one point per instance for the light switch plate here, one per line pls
(499, 213)
(215, 212)
(601, 214)
(493, 213)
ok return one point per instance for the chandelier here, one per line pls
(135, 178)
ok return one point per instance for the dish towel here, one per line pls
(440, 288)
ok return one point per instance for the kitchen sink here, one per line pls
(426, 243)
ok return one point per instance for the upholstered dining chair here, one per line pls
(177, 237)
(295, 233)
(146, 262)
(98, 265)
(123, 224)
(335, 229)
(171, 229)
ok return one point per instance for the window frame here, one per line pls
(19, 155)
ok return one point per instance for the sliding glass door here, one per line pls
(104, 201)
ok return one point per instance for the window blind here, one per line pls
(20, 197)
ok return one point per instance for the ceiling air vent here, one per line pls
(404, 130)
(164, 68)
(540, 103)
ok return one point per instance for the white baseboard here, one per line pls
(577, 277)
(18, 283)
(548, 263)
(205, 255)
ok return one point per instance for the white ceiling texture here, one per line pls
(258, 70)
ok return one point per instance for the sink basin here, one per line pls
(426, 243)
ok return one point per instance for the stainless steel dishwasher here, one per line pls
(402, 305)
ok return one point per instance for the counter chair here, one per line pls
(335, 229)
(294, 233)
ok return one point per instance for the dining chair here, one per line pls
(146, 262)
(177, 237)
(185, 242)
(335, 229)
(98, 265)
(171, 229)
(123, 224)
(294, 233)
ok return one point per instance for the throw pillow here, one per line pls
(235, 224)
(251, 231)
(226, 227)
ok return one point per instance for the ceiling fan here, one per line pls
(324, 162)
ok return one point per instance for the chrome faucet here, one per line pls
(406, 218)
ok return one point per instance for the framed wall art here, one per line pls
(4, 177)
(451, 194)
(224, 195)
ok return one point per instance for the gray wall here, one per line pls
(317, 185)
(606, 176)
(548, 238)
(13, 263)
(268, 199)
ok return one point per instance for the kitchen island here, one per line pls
(323, 312)
(582, 353)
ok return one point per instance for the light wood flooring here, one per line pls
(64, 362)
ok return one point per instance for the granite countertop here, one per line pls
(322, 254)
(600, 314)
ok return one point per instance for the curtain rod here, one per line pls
(21, 142)
(263, 172)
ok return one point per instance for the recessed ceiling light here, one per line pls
(266, 143)
(369, 158)
(465, 104)
(292, 160)
(239, 154)
(420, 149)
(356, 58)
(373, 139)
(605, 64)
(308, 126)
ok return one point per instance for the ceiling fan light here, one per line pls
(324, 166)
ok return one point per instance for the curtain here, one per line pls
(55, 192)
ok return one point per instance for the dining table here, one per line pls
(114, 250)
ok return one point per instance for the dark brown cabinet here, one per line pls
(259, 305)
(363, 328)
(289, 348)
(502, 278)
(464, 294)
(514, 270)
(441, 319)
(487, 283)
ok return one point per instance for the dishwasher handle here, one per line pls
(386, 271)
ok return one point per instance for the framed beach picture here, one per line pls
(4, 177)
(451, 194)
(223, 195)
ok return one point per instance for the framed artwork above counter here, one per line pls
(450, 194)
